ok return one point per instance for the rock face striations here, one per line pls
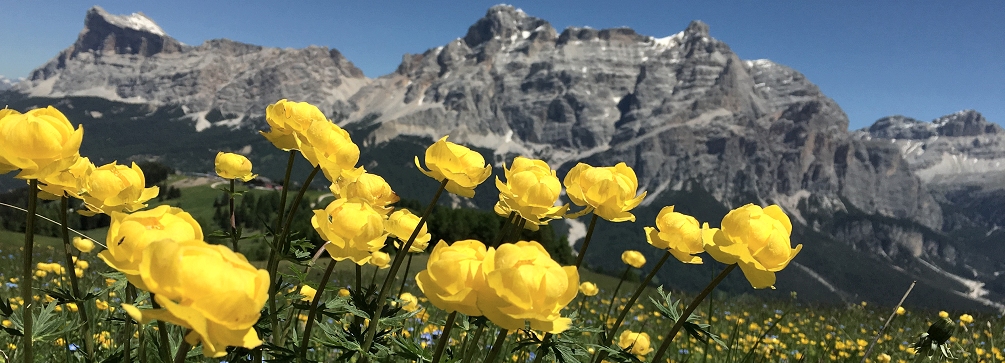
(130, 58)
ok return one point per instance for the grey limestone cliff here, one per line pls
(130, 58)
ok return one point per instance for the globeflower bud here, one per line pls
(233, 166)
(381, 260)
(366, 188)
(633, 258)
(401, 224)
(463, 168)
(453, 275)
(756, 239)
(308, 293)
(523, 283)
(353, 229)
(83, 245)
(609, 192)
(130, 234)
(207, 288)
(116, 188)
(286, 119)
(680, 234)
(410, 302)
(638, 343)
(39, 142)
(531, 190)
(588, 288)
(329, 147)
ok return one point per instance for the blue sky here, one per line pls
(920, 58)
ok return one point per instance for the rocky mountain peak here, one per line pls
(123, 34)
(697, 27)
(501, 22)
(965, 123)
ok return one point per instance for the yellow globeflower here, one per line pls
(381, 260)
(207, 288)
(286, 119)
(943, 314)
(523, 283)
(678, 233)
(633, 258)
(638, 343)
(308, 293)
(328, 146)
(69, 181)
(901, 310)
(39, 142)
(531, 190)
(402, 223)
(463, 168)
(588, 288)
(367, 188)
(84, 245)
(233, 166)
(453, 275)
(756, 239)
(130, 234)
(410, 302)
(354, 229)
(116, 188)
(609, 192)
(966, 319)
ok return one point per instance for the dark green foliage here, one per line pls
(154, 172)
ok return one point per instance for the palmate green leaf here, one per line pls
(411, 350)
(668, 307)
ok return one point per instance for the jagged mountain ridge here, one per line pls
(685, 111)
(130, 58)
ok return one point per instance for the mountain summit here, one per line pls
(129, 58)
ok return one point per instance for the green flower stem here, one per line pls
(282, 245)
(273, 263)
(127, 325)
(888, 320)
(313, 311)
(496, 346)
(441, 343)
(505, 229)
(373, 278)
(690, 309)
(183, 348)
(293, 211)
(615, 295)
(26, 275)
(609, 336)
(404, 276)
(233, 218)
(469, 350)
(163, 348)
(359, 278)
(586, 241)
(371, 330)
(85, 326)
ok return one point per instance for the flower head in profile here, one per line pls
(329, 147)
(453, 276)
(523, 284)
(463, 168)
(754, 238)
(381, 260)
(39, 142)
(354, 230)
(286, 119)
(233, 166)
(368, 188)
(308, 293)
(69, 182)
(130, 234)
(588, 288)
(633, 258)
(402, 223)
(609, 192)
(116, 188)
(531, 190)
(410, 302)
(636, 343)
(678, 233)
(209, 289)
